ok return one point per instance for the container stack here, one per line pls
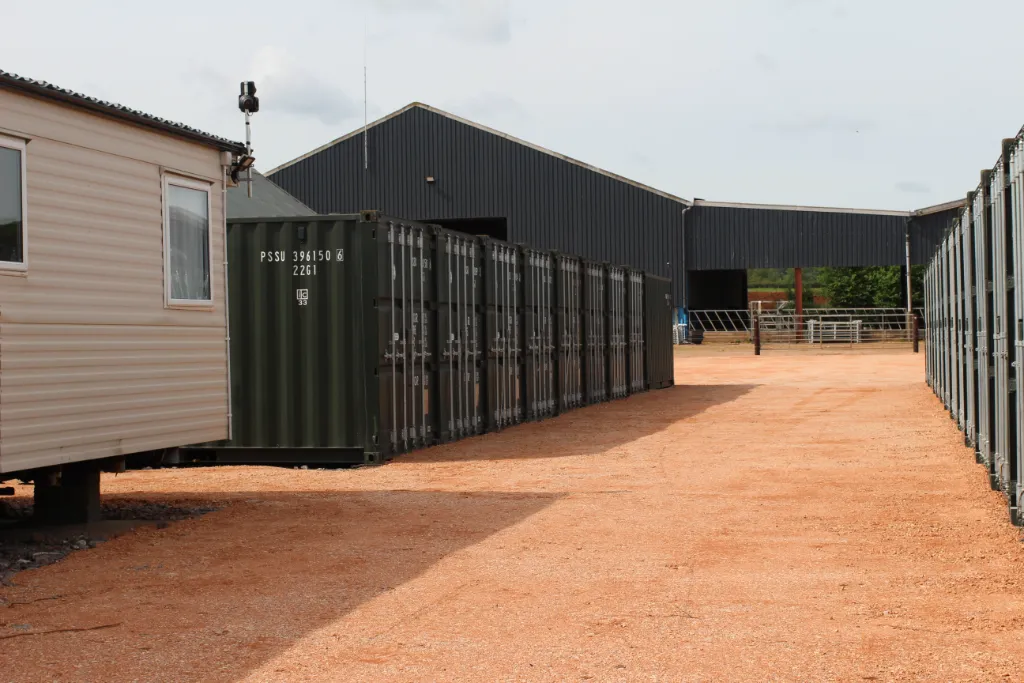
(974, 316)
(356, 338)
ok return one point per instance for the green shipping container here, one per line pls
(355, 338)
(331, 326)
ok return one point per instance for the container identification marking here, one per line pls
(309, 256)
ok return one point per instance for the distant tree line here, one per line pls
(874, 287)
(869, 287)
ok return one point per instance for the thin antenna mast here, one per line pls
(366, 127)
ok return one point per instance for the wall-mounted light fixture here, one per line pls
(430, 180)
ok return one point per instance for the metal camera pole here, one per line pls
(248, 104)
(248, 151)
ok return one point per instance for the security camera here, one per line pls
(247, 100)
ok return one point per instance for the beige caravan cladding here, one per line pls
(93, 362)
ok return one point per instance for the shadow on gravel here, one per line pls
(215, 598)
(25, 544)
(588, 430)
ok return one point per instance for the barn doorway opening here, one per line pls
(496, 228)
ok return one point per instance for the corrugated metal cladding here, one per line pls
(724, 238)
(926, 234)
(548, 202)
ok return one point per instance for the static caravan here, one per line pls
(112, 289)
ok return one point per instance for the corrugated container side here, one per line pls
(304, 343)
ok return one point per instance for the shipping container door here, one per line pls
(983, 283)
(1000, 351)
(929, 325)
(950, 313)
(1016, 214)
(961, 337)
(934, 327)
(635, 331)
(538, 307)
(947, 313)
(617, 382)
(502, 279)
(936, 332)
(595, 335)
(970, 332)
(458, 266)
(658, 356)
(955, 308)
(406, 312)
(568, 332)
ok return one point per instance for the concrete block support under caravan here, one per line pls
(112, 283)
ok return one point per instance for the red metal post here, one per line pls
(756, 322)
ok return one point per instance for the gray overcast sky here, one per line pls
(892, 104)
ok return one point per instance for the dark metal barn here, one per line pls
(425, 164)
(428, 165)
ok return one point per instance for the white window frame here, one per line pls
(20, 146)
(192, 184)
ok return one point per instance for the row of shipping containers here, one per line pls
(355, 338)
(975, 322)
